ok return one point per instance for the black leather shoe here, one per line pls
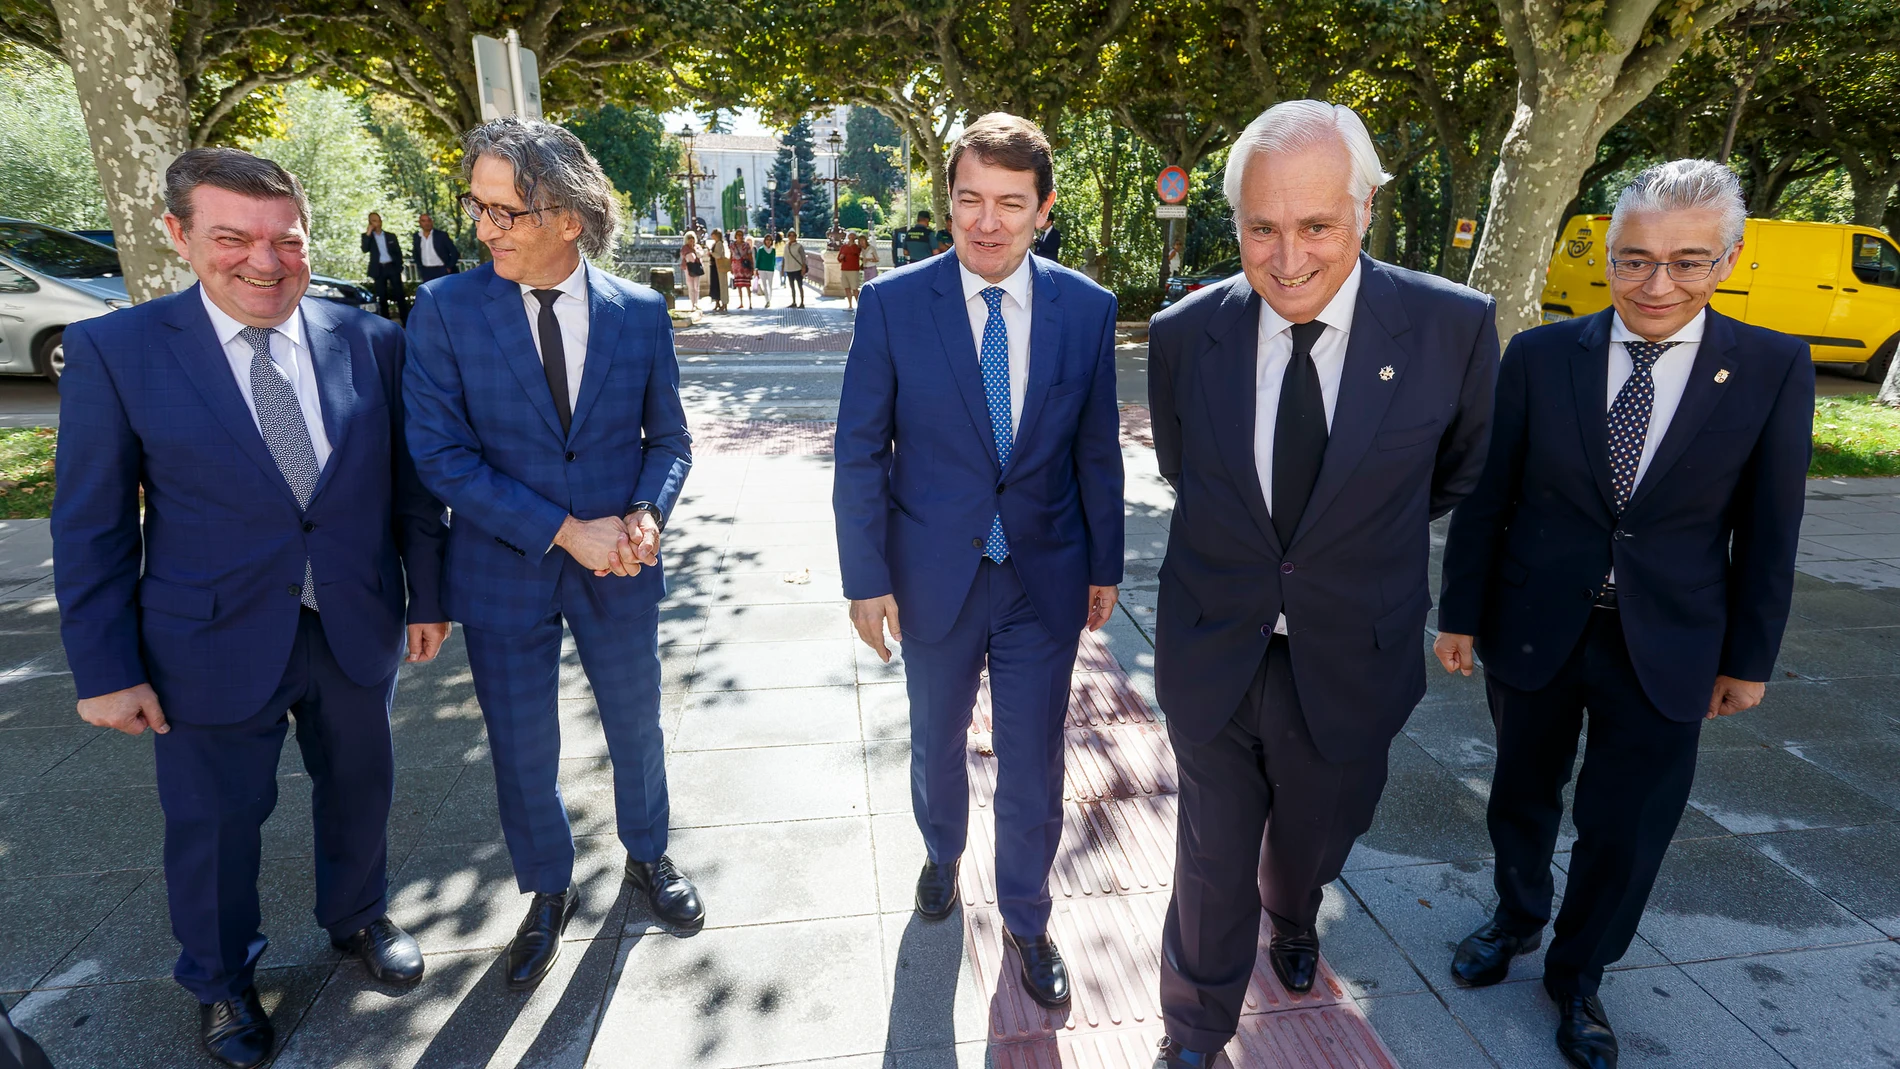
(1172, 1055)
(673, 897)
(236, 1031)
(937, 890)
(1044, 976)
(1484, 958)
(1295, 960)
(390, 954)
(537, 943)
(1583, 1032)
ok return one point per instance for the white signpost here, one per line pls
(507, 78)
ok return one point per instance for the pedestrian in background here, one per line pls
(433, 251)
(868, 255)
(795, 265)
(719, 268)
(742, 268)
(385, 268)
(692, 269)
(766, 260)
(851, 269)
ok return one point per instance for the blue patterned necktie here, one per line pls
(995, 359)
(280, 417)
(1629, 416)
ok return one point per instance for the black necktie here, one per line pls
(1299, 433)
(553, 355)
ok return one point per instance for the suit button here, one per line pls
(309, 527)
(570, 456)
(1287, 568)
(295, 590)
(976, 543)
(1619, 535)
(1000, 487)
(1266, 630)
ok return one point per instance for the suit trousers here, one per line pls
(518, 683)
(1265, 822)
(218, 784)
(429, 274)
(387, 284)
(1637, 768)
(1029, 672)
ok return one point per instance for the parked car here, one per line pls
(1187, 282)
(50, 278)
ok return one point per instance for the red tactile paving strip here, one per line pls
(1111, 882)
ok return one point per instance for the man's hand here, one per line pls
(425, 641)
(592, 542)
(1733, 695)
(870, 616)
(1101, 605)
(1454, 652)
(131, 710)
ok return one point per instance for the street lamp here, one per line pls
(836, 143)
(771, 198)
(691, 175)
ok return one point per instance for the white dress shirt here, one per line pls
(382, 246)
(1016, 295)
(1670, 373)
(425, 249)
(1274, 353)
(290, 352)
(570, 311)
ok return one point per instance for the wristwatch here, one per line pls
(651, 509)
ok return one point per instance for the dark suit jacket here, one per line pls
(1407, 443)
(488, 441)
(444, 249)
(1704, 551)
(917, 479)
(202, 603)
(376, 265)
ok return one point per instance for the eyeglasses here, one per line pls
(503, 218)
(1680, 270)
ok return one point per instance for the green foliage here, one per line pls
(872, 144)
(859, 211)
(327, 144)
(48, 174)
(814, 201)
(1855, 436)
(26, 472)
(633, 148)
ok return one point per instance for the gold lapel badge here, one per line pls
(1386, 373)
(1722, 375)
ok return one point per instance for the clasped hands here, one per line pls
(612, 545)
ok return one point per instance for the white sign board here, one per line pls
(1170, 211)
(507, 79)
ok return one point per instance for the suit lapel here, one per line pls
(1045, 348)
(1590, 383)
(1365, 391)
(336, 381)
(1230, 393)
(604, 314)
(959, 349)
(1699, 399)
(196, 346)
(508, 316)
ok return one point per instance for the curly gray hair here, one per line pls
(552, 169)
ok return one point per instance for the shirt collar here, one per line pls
(1690, 332)
(1337, 314)
(227, 328)
(1016, 285)
(575, 285)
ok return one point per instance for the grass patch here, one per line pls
(26, 472)
(1855, 435)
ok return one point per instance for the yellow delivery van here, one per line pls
(1835, 286)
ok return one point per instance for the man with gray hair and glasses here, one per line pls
(544, 410)
(1313, 413)
(1629, 555)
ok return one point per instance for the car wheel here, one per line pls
(1875, 369)
(50, 358)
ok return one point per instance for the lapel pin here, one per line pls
(1386, 373)
(1722, 375)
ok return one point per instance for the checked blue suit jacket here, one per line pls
(488, 442)
(917, 478)
(148, 402)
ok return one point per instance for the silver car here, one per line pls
(49, 278)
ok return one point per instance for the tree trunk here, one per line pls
(1872, 189)
(1890, 389)
(133, 100)
(1382, 242)
(1544, 157)
(1467, 192)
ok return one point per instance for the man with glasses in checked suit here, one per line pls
(979, 494)
(1629, 552)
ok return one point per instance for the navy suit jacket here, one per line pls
(917, 480)
(1704, 551)
(488, 442)
(1407, 442)
(148, 402)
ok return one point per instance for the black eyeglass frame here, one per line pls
(1707, 269)
(503, 218)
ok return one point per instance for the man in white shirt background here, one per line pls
(434, 252)
(385, 268)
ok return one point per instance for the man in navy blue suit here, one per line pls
(979, 492)
(1630, 552)
(545, 412)
(1313, 414)
(283, 523)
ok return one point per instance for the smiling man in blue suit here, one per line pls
(283, 524)
(979, 495)
(545, 412)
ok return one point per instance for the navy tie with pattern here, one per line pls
(280, 417)
(1629, 416)
(995, 362)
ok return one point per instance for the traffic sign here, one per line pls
(1467, 230)
(1172, 186)
(1170, 211)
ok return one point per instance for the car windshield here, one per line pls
(57, 253)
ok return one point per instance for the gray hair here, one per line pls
(1292, 125)
(552, 170)
(1685, 185)
(233, 170)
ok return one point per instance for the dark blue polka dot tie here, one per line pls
(1629, 416)
(995, 360)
